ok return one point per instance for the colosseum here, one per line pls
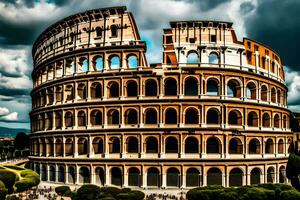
(214, 112)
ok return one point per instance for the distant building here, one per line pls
(213, 112)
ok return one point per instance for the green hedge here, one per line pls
(30, 179)
(290, 195)
(62, 190)
(88, 192)
(8, 178)
(3, 193)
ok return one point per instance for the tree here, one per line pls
(22, 141)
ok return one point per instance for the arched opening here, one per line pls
(114, 62)
(192, 58)
(191, 145)
(269, 146)
(252, 119)
(273, 95)
(132, 61)
(150, 88)
(98, 63)
(153, 177)
(282, 174)
(132, 89)
(151, 116)
(173, 177)
(235, 146)
(254, 146)
(69, 147)
(69, 93)
(193, 177)
(113, 117)
(113, 89)
(71, 175)
(50, 147)
(61, 174)
(251, 91)
(213, 145)
(171, 145)
(69, 122)
(116, 176)
(96, 118)
(131, 116)
(213, 58)
(171, 116)
(52, 176)
(276, 121)
(48, 121)
(151, 145)
(59, 147)
(266, 120)
(191, 86)
(132, 145)
(83, 65)
(279, 98)
(170, 87)
(134, 177)
(81, 118)
(236, 177)
(96, 91)
(98, 145)
(284, 122)
(191, 116)
(213, 116)
(233, 88)
(44, 173)
(271, 175)
(100, 176)
(114, 31)
(115, 145)
(82, 146)
(255, 176)
(58, 94)
(235, 118)
(84, 175)
(264, 93)
(212, 87)
(214, 176)
(280, 146)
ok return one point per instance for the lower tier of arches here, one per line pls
(162, 175)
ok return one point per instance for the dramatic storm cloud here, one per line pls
(271, 22)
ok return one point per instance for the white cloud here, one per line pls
(12, 117)
(3, 111)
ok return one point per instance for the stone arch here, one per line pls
(81, 117)
(191, 86)
(52, 173)
(81, 91)
(150, 87)
(113, 89)
(264, 93)
(235, 146)
(214, 176)
(193, 177)
(170, 86)
(212, 85)
(213, 116)
(61, 174)
(151, 145)
(96, 90)
(266, 120)
(44, 173)
(84, 175)
(134, 177)
(114, 62)
(269, 146)
(213, 145)
(192, 57)
(132, 145)
(100, 176)
(98, 145)
(173, 177)
(58, 120)
(191, 116)
(276, 121)
(191, 145)
(131, 116)
(273, 95)
(58, 147)
(116, 176)
(69, 147)
(69, 92)
(282, 174)
(114, 145)
(132, 88)
(235, 118)
(113, 116)
(213, 58)
(151, 116)
(153, 177)
(271, 175)
(96, 118)
(171, 116)
(171, 145)
(254, 146)
(98, 63)
(280, 146)
(132, 61)
(251, 90)
(82, 146)
(236, 177)
(252, 119)
(255, 176)
(71, 175)
(234, 88)
(69, 119)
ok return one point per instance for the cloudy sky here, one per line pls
(273, 22)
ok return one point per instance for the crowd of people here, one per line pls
(165, 196)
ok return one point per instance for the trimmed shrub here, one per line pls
(137, 195)
(24, 185)
(290, 195)
(108, 198)
(123, 196)
(125, 190)
(110, 191)
(71, 194)
(61, 190)
(88, 192)
(2, 186)
(228, 195)
(15, 167)
(258, 194)
(3, 193)
(8, 178)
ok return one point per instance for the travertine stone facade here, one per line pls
(214, 111)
